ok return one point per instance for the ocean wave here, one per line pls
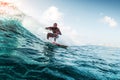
(23, 56)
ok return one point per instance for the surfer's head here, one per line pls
(55, 24)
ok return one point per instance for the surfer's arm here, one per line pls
(48, 28)
(59, 32)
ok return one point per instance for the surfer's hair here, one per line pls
(55, 24)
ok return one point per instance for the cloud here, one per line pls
(52, 14)
(70, 36)
(110, 21)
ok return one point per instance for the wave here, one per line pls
(23, 56)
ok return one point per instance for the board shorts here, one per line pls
(53, 35)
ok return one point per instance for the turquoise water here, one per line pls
(25, 57)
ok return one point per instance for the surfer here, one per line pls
(55, 32)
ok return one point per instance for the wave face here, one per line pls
(25, 57)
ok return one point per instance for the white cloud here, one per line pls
(110, 21)
(70, 36)
(52, 14)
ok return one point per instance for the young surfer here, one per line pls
(55, 32)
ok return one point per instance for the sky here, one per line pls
(81, 21)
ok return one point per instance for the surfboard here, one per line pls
(55, 45)
(60, 45)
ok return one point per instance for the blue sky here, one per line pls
(82, 21)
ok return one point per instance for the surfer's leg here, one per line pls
(55, 39)
(50, 35)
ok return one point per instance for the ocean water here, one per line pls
(23, 56)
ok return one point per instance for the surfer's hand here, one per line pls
(46, 28)
(60, 33)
